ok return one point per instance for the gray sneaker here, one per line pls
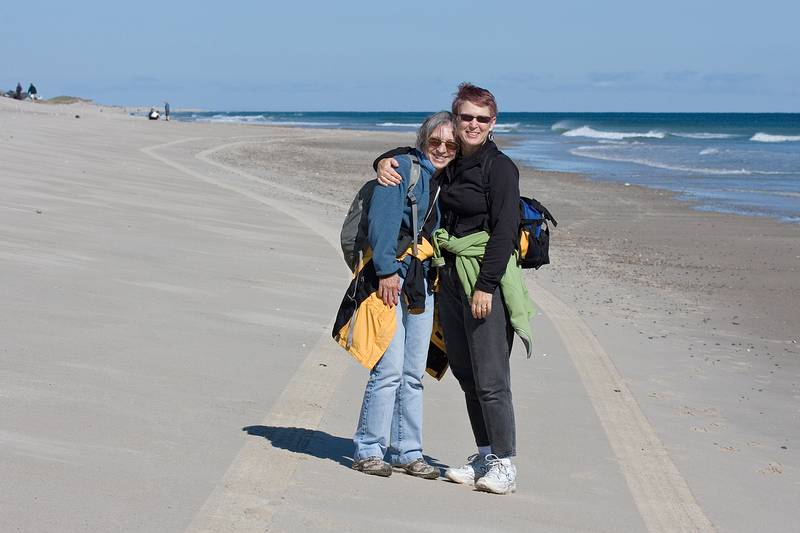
(468, 474)
(374, 466)
(501, 477)
(419, 468)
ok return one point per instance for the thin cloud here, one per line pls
(614, 77)
(679, 76)
(731, 78)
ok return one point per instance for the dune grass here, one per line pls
(65, 100)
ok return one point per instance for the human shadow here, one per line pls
(307, 441)
(314, 442)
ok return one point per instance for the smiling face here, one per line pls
(437, 149)
(473, 134)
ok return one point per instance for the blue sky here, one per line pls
(571, 55)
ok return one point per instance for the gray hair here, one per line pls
(429, 126)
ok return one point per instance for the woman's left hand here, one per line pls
(481, 304)
(389, 290)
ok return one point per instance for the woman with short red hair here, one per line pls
(479, 193)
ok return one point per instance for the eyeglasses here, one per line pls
(436, 142)
(483, 119)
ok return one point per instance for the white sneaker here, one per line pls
(501, 477)
(475, 468)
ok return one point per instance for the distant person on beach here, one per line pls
(18, 91)
(475, 314)
(153, 114)
(32, 92)
(166, 110)
(391, 412)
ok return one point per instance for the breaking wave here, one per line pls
(505, 128)
(260, 119)
(705, 135)
(399, 125)
(767, 138)
(586, 131)
(562, 125)
(587, 151)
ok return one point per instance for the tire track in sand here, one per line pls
(252, 487)
(660, 493)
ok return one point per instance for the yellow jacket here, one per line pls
(364, 325)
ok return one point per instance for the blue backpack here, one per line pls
(533, 244)
(534, 233)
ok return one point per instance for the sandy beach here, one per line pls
(167, 362)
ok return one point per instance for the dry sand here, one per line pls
(168, 285)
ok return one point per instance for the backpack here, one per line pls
(355, 227)
(534, 234)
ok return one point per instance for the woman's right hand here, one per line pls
(387, 175)
(481, 304)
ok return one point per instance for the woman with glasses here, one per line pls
(391, 412)
(479, 193)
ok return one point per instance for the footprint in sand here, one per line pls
(695, 411)
(771, 469)
(709, 428)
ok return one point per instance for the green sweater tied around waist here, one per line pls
(469, 252)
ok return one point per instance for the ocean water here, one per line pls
(746, 163)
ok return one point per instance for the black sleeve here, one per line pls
(391, 153)
(503, 222)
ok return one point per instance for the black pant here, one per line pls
(478, 351)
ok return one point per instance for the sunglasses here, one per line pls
(436, 142)
(483, 119)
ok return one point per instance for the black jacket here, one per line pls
(467, 206)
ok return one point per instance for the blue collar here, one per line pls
(424, 161)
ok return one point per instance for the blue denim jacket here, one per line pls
(390, 210)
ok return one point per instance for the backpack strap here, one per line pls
(486, 168)
(412, 182)
(415, 173)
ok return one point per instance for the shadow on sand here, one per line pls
(307, 441)
(314, 443)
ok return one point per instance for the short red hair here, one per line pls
(475, 95)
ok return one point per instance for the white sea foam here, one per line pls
(504, 128)
(399, 125)
(704, 135)
(709, 151)
(261, 119)
(767, 138)
(586, 131)
(233, 119)
(588, 151)
(562, 125)
(500, 128)
(765, 192)
(300, 123)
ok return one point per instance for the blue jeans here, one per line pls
(391, 413)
